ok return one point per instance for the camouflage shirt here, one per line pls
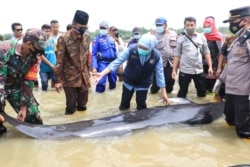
(12, 73)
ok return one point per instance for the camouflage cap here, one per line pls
(36, 36)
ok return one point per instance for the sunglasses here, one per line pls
(20, 29)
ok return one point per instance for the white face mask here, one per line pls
(159, 29)
(103, 32)
(137, 36)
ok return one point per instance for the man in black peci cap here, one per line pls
(72, 69)
(236, 75)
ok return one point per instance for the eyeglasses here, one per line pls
(20, 29)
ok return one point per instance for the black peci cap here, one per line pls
(81, 17)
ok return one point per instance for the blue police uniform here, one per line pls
(103, 53)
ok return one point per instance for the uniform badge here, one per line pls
(151, 61)
(239, 51)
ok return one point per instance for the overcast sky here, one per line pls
(124, 14)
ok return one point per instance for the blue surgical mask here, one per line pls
(143, 52)
(137, 36)
(207, 30)
(103, 32)
(159, 29)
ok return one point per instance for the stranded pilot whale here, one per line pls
(117, 125)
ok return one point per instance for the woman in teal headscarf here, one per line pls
(142, 60)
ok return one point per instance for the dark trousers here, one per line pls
(209, 81)
(127, 94)
(199, 82)
(237, 112)
(168, 80)
(76, 97)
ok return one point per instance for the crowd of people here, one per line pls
(148, 63)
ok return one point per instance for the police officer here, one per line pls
(103, 53)
(18, 70)
(236, 74)
(166, 44)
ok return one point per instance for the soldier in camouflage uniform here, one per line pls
(72, 68)
(19, 64)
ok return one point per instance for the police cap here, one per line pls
(237, 13)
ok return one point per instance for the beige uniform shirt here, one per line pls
(190, 56)
(166, 44)
(236, 74)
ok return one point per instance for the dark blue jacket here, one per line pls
(132, 41)
(137, 74)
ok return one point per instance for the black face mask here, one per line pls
(117, 34)
(80, 30)
(234, 27)
(36, 51)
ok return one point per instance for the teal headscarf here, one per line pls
(148, 40)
